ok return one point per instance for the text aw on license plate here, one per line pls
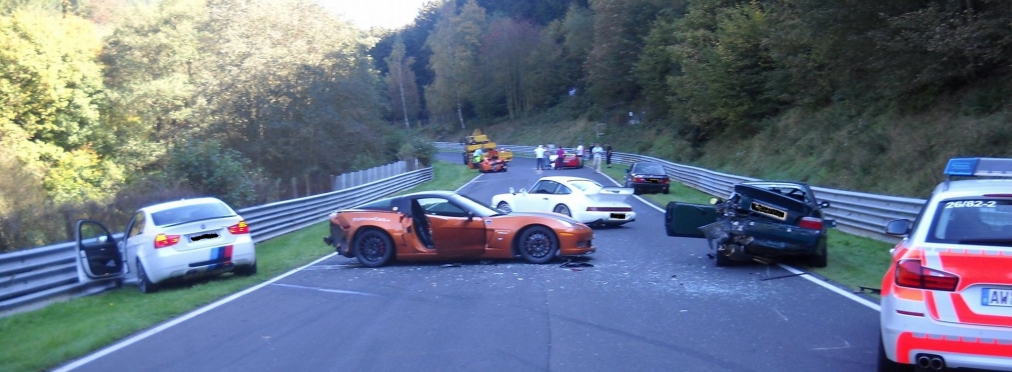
(996, 297)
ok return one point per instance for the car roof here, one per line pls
(974, 187)
(775, 184)
(431, 193)
(179, 203)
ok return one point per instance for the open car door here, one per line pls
(685, 219)
(97, 251)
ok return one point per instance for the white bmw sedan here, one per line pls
(583, 199)
(168, 241)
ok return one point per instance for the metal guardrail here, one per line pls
(32, 278)
(855, 212)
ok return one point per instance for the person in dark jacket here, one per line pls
(607, 154)
(561, 155)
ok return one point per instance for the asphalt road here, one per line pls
(649, 303)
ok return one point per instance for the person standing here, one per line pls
(476, 156)
(598, 153)
(559, 156)
(539, 153)
(580, 152)
(607, 154)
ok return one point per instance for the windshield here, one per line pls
(479, 209)
(979, 221)
(191, 213)
(649, 168)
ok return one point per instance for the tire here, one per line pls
(247, 270)
(667, 190)
(637, 191)
(886, 365)
(538, 244)
(143, 283)
(373, 248)
(505, 207)
(562, 209)
(821, 256)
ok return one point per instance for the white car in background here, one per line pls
(168, 241)
(582, 199)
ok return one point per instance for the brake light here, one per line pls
(637, 179)
(239, 228)
(910, 273)
(811, 223)
(665, 180)
(162, 240)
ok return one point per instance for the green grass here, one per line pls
(48, 337)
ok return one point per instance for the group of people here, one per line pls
(596, 153)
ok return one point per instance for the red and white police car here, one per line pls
(947, 297)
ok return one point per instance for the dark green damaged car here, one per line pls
(760, 220)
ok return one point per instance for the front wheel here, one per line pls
(504, 206)
(373, 248)
(538, 244)
(562, 209)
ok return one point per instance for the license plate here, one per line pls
(996, 297)
(653, 181)
(620, 216)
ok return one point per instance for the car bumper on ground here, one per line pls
(909, 337)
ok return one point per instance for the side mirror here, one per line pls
(512, 191)
(470, 216)
(824, 204)
(628, 170)
(898, 227)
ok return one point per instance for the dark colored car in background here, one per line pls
(759, 220)
(647, 177)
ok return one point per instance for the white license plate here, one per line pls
(620, 216)
(996, 297)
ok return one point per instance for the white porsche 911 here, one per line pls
(583, 199)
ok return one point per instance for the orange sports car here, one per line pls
(440, 225)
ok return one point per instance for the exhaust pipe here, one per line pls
(923, 362)
(930, 362)
(937, 363)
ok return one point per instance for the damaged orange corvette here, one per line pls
(440, 225)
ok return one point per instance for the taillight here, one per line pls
(162, 240)
(239, 228)
(811, 223)
(637, 179)
(665, 180)
(910, 273)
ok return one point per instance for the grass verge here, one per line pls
(60, 332)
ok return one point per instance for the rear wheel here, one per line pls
(373, 248)
(821, 256)
(505, 207)
(143, 283)
(247, 270)
(538, 244)
(562, 209)
(667, 189)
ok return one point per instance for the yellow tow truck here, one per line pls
(492, 159)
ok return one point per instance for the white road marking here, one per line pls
(824, 284)
(468, 183)
(324, 289)
(151, 332)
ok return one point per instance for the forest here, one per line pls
(109, 105)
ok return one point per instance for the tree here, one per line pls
(455, 45)
(401, 83)
(506, 52)
(620, 27)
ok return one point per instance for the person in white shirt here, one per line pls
(598, 153)
(579, 152)
(539, 153)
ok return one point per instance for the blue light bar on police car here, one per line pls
(981, 167)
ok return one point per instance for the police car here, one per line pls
(947, 297)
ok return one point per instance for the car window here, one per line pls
(136, 225)
(972, 221)
(190, 213)
(649, 168)
(441, 207)
(544, 187)
(379, 205)
(587, 186)
(563, 190)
